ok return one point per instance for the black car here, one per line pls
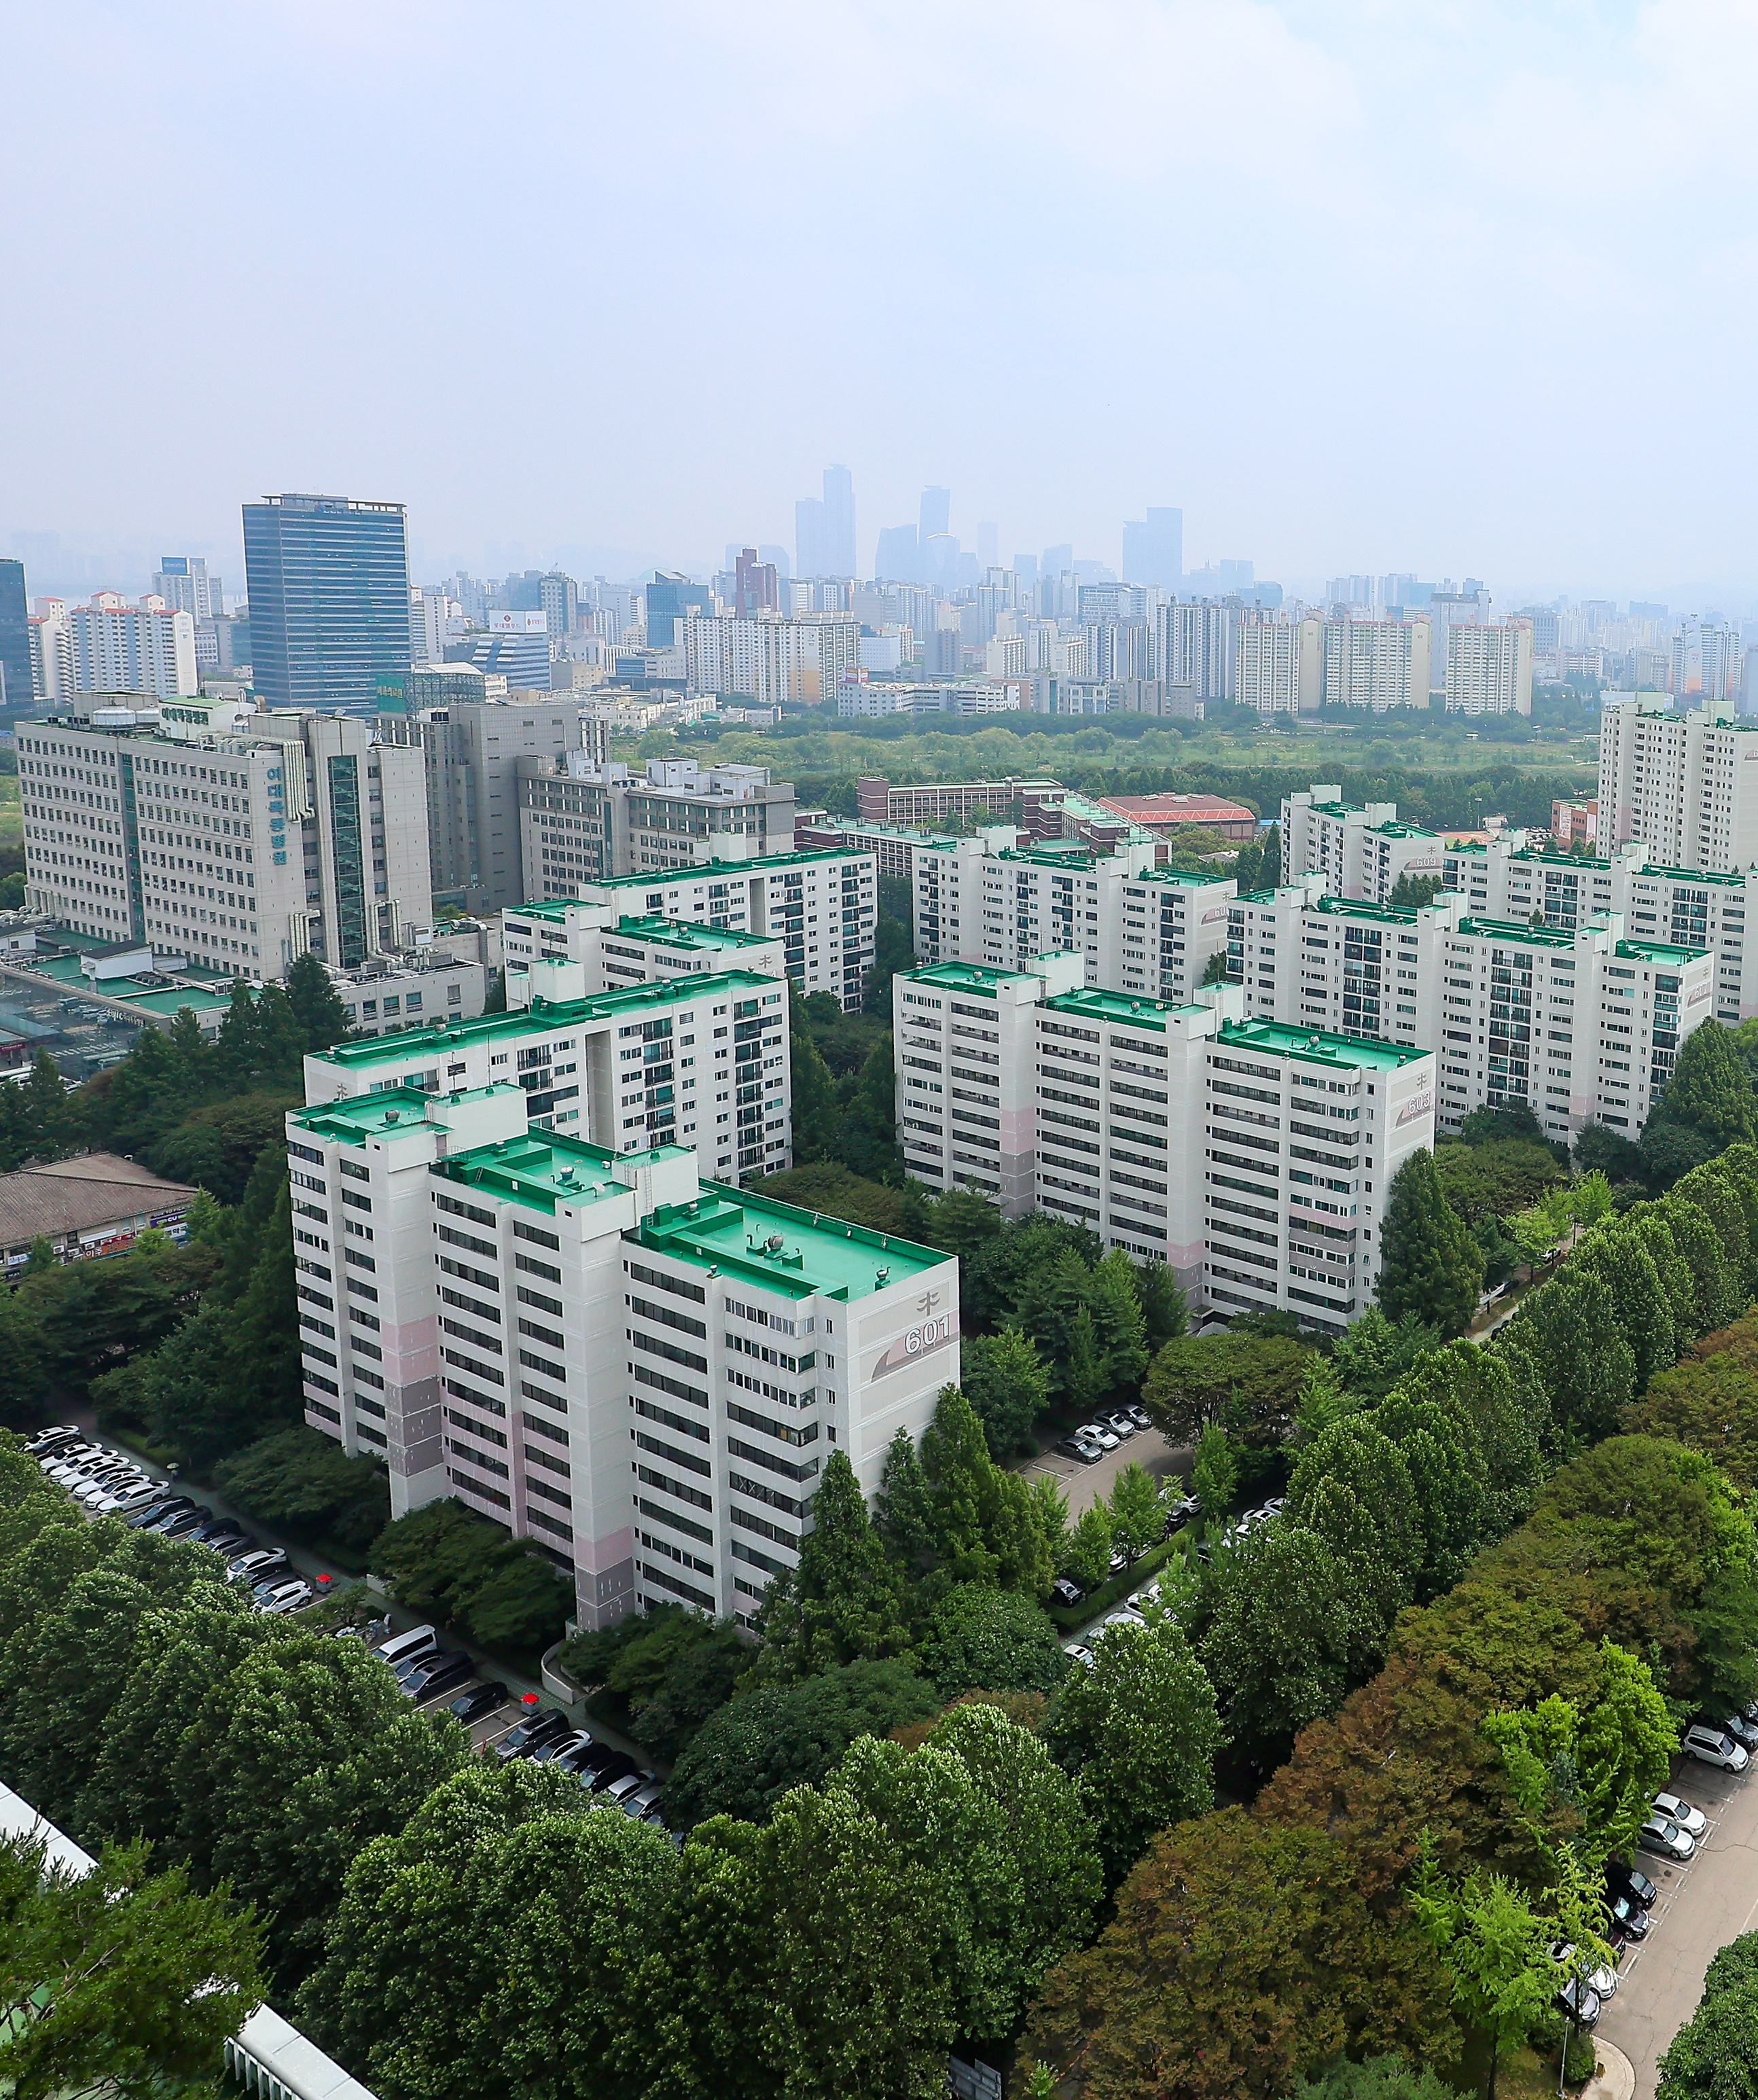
(1623, 1881)
(179, 1525)
(477, 1702)
(1066, 1592)
(1625, 1918)
(156, 1511)
(231, 1539)
(580, 1756)
(438, 1673)
(546, 1725)
(601, 1773)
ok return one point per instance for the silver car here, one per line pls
(1660, 1834)
(1688, 1818)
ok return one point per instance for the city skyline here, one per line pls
(1457, 384)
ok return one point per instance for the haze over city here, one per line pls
(1425, 290)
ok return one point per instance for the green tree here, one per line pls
(1430, 1267)
(1710, 1095)
(1572, 1326)
(1279, 1645)
(1410, 893)
(982, 1527)
(1114, 1301)
(1372, 1353)
(994, 1641)
(1087, 1556)
(317, 1006)
(1249, 1383)
(818, 1117)
(1322, 1400)
(845, 1600)
(1598, 1149)
(51, 1117)
(118, 1981)
(1379, 2078)
(1137, 1521)
(1645, 1312)
(1004, 1379)
(1082, 1364)
(1714, 2056)
(1164, 1313)
(893, 949)
(1353, 1487)
(1139, 1730)
(963, 1221)
(1496, 1950)
(23, 1373)
(901, 1509)
(868, 1142)
(772, 1738)
(1214, 1473)
(306, 1486)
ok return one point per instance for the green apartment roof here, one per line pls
(1516, 929)
(686, 935)
(967, 976)
(540, 1169)
(1359, 907)
(799, 1253)
(1393, 829)
(1190, 878)
(1683, 875)
(1315, 1046)
(714, 871)
(1118, 1006)
(560, 1013)
(396, 1110)
(1658, 952)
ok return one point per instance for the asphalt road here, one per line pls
(1701, 1907)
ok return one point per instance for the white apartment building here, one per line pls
(53, 676)
(1685, 784)
(571, 950)
(1585, 1023)
(1706, 661)
(1251, 1156)
(1198, 646)
(581, 817)
(822, 908)
(800, 662)
(1145, 930)
(144, 648)
(1506, 879)
(1360, 850)
(1489, 669)
(1281, 664)
(640, 1370)
(240, 840)
(1376, 663)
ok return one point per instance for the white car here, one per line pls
(118, 1493)
(1124, 1618)
(1690, 1819)
(1603, 1981)
(1077, 1651)
(1714, 1746)
(289, 1596)
(1095, 1433)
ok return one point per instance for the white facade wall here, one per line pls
(1144, 929)
(641, 1373)
(1376, 663)
(1359, 850)
(1686, 785)
(1489, 669)
(1689, 908)
(1281, 665)
(130, 649)
(1584, 1024)
(1251, 1156)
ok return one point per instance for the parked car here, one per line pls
(1711, 1744)
(624, 1785)
(256, 1566)
(1631, 1881)
(49, 1440)
(608, 1769)
(641, 1802)
(1138, 1415)
(1149, 1594)
(438, 1674)
(535, 1728)
(1078, 1447)
(1692, 1820)
(1602, 1980)
(1579, 2001)
(573, 1753)
(1626, 1917)
(478, 1701)
(1096, 1432)
(1662, 1836)
(1120, 1559)
(118, 1504)
(1744, 1732)
(1066, 1592)
(1077, 1651)
(163, 1506)
(1118, 1422)
(286, 1597)
(1179, 1509)
(1124, 1618)
(400, 1648)
(179, 1524)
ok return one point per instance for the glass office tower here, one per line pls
(14, 636)
(328, 585)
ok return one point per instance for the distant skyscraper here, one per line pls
(899, 555)
(824, 527)
(755, 586)
(1154, 550)
(185, 585)
(1705, 661)
(328, 585)
(15, 685)
(1058, 560)
(669, 596)
(937, 513)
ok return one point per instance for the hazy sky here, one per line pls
(1453, 288)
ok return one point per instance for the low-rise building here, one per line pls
(96, 1204)
(1251, 1156)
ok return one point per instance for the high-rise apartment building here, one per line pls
(184, 583)
(1154, 550)
(16, 683)
(123, 648)
(1359, 849)
(1198, 647)
(1705, 661)
(1449, 610)
(1376, 664)
(1146, 931)
(242, 841)
(820, 906)
(1583, 1023)
(328, 580)
(1251, 1157)
(1685, 784)
(1280, 666)
(800, 662)
(1489, 669)
(50, 641)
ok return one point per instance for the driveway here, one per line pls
(1701, 1907)
(1086, 1484)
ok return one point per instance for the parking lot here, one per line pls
(1085, 1485)
(1703, 1904)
